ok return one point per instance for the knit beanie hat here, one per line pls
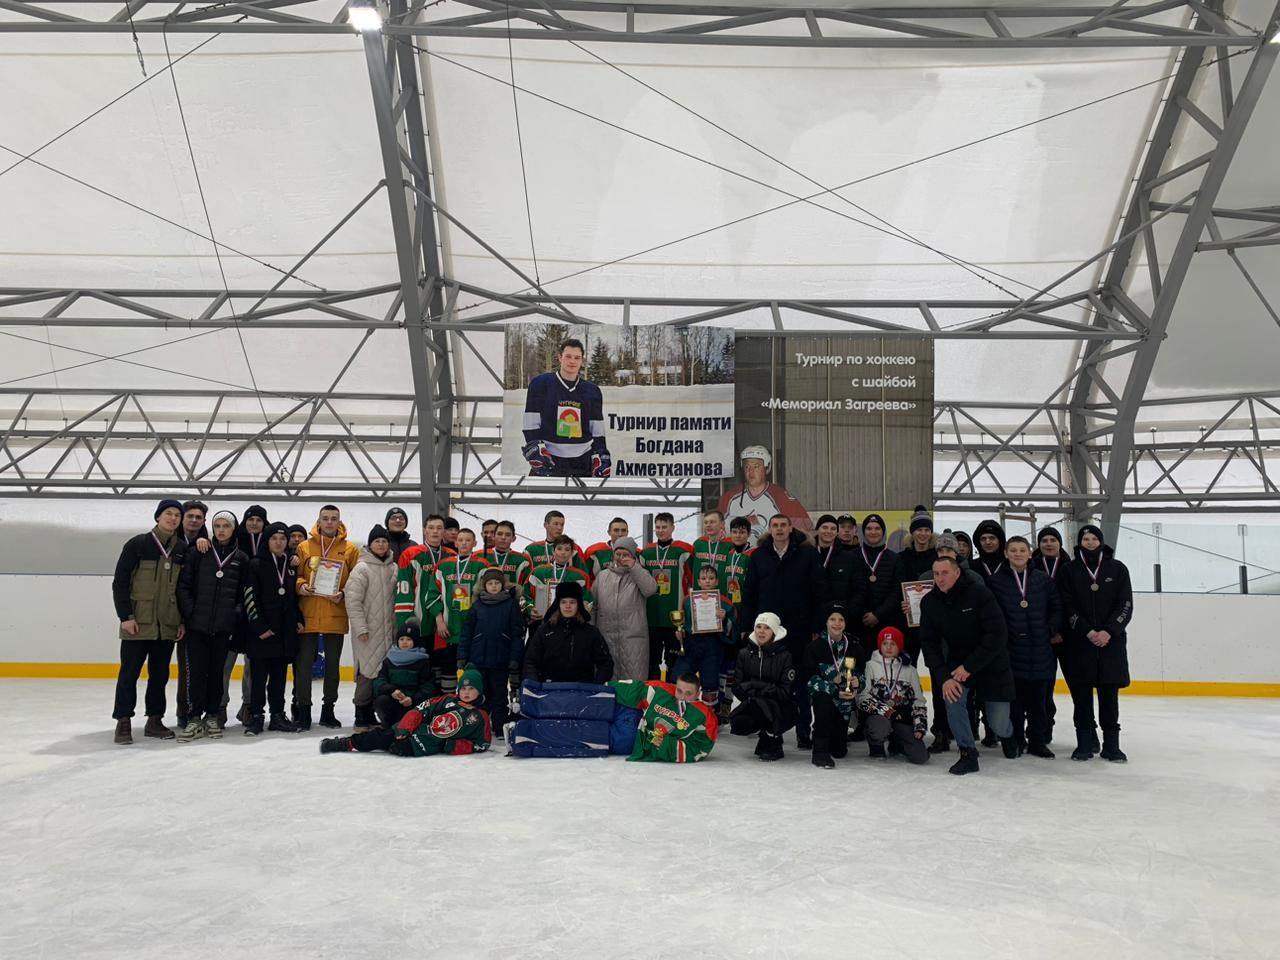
(1049, 532)
(627, 544)
(257, 510)
(889, 633)
(165, 504)
(395, 511)
(471, 677)
(378, 532)
(492, 573)
(1090, 528)
(920, 518)
(834, 607)
(825, 518)
(949, 541)
(271, 529)
(223, 513)
(412, 630)
(297, 528)
(874, 518)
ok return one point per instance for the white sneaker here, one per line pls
(212, 728)
(194, 730)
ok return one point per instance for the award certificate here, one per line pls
(913, 592)
(705, 605)
(326, 578)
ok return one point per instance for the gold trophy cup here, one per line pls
(677, 621)
(849, 664)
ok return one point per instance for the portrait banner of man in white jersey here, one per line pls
(602, 401)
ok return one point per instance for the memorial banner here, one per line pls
(610, 401)
(825, 420)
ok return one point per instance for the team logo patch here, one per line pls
(446, 725)
(568, 422)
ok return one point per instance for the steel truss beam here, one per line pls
(1126, 23)
(1167, 274)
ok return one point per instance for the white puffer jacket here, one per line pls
(370, 598)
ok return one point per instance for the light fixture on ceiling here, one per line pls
(364, 15)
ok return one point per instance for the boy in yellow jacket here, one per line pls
(323, 613)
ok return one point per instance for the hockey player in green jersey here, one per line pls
(674, 726)
(667, 560)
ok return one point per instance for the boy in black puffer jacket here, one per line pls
(567, 648)
(1033, 612)
(406, 677)
(493, 641)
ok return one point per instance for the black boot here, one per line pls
(1082, 751)
(1094, 746)
(968, 762)
(281, 724)
(1010, 747)
(940, 745)
(804, 741)
(335, 745)
(1040, 750)
(364, 720)
(823, 760)
(302, 717)
(1111, 747)
(253, 727)
(327, 719)
(770, 748)
(876, 750)
(989, 739)
(859, 733)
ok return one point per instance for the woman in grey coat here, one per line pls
(621, 591)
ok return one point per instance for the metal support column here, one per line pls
(393, 81)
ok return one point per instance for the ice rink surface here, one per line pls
(258, 849)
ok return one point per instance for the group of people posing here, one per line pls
(816, 636)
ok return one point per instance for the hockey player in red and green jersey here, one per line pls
(600, 555)
(667, 561)
(453, 725)
(448, 602)
(674, 726)
(712, 549)
(502, 555)
(539, 552)
(539, 586)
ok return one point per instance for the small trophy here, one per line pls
(849, 663)
(677, 620)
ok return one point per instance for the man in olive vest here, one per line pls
(143, 590)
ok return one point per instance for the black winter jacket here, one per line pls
(1031, 629)
(265, 609)
(883, 597)
(766, 671)
(1110, 608)
(415, 680)
(836, 583)
(493, 633)
(567, 651)
(965, 628)
(209, 603)
(786, 585)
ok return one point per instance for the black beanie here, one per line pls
(1049, 532)
(296, 528)
(392, 512)
(271, 529)
(379, 532)
(825, 518)
(165, 504)
(256, 511)
(1090, 528)
(874, 518)
(412, 630)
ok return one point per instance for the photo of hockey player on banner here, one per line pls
(600, 401)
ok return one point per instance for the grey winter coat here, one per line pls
(370, 596)
(621, 616)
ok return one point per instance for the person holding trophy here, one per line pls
(325, 561)
(704, 623)
(833, 663)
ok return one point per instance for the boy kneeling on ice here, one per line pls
(453, 724)
(893, 701)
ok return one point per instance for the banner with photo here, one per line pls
(611, 401)
(824, 421)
